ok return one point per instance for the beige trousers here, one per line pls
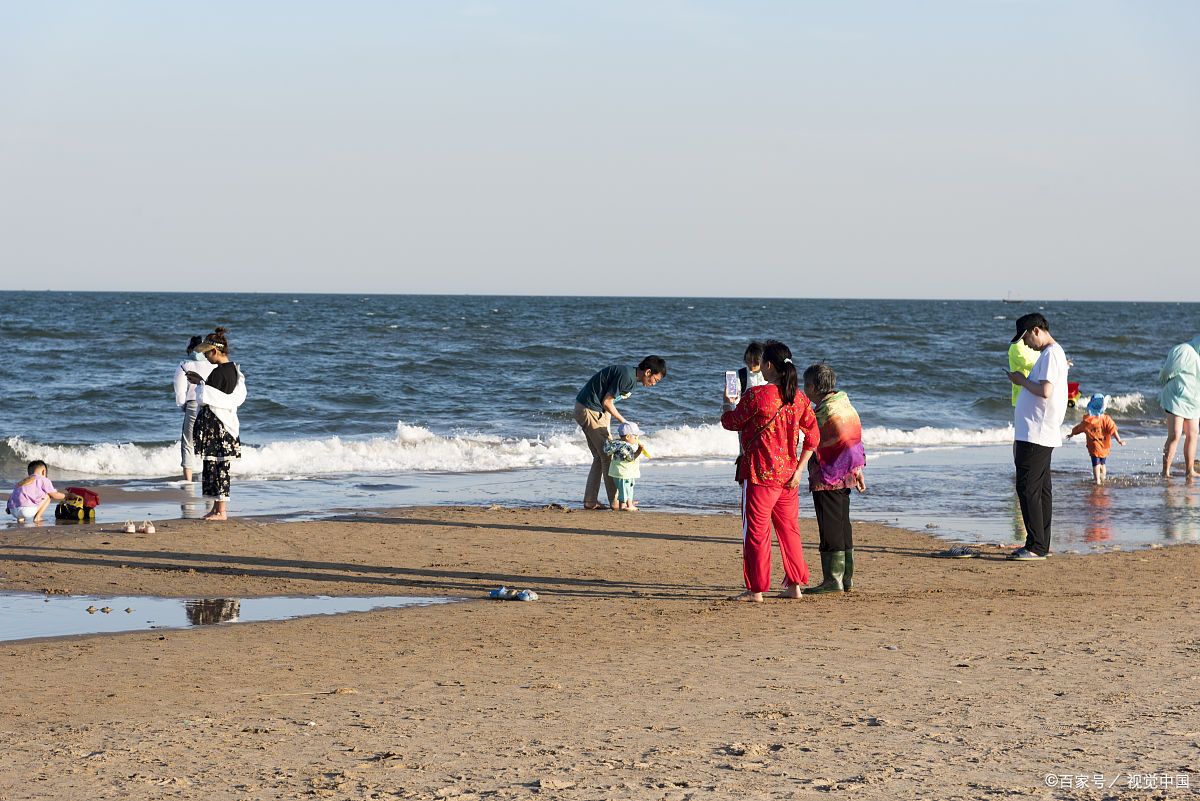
(595, 430)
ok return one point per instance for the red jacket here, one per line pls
(770, 458)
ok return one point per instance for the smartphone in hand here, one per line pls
(733, 387)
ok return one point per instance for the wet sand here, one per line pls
(630, 679)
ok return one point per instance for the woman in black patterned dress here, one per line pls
(217, 431)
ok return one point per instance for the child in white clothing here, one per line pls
(625, 467)
(751, 375)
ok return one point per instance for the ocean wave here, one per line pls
(411, 449)
(415, 449)
(927, 436)
(1124, 404)
(122, 459)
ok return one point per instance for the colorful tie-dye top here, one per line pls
(840, 455)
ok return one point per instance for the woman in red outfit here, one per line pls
(779, 433)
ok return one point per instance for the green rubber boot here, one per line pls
(849, 572)
(833, 565)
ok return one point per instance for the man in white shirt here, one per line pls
(1037, 422)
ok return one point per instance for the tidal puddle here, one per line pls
(24, 616)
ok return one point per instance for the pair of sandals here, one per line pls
(145, 528)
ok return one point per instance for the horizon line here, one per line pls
(1005, 300)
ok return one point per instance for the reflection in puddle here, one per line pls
(1183, 525)
(25, 616)
(212, 610)
(1099, 516)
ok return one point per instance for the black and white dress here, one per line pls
(217, 432)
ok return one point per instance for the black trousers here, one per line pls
(833, 519)
(1034, 493)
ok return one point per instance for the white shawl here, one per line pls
(225, 404)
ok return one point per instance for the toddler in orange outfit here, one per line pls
(1100, 430)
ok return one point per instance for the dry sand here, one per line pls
(631, 679)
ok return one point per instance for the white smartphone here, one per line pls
(733, 387)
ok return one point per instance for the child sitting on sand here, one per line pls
(32, 495)
(1100, 430)
(625, 467)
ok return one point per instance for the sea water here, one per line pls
(358, 402)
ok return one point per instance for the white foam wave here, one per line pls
(1130, 402)
(412, 449)
(927, 437)
(692, 442)
(123, 460)
(417, 449)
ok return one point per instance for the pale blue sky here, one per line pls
(887, 149)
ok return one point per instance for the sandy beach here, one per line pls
(629, 679)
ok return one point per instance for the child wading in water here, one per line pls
(1100, 430)
(32, 495)
(625, 468)
(835, 468)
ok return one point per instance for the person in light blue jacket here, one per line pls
(1180, 399)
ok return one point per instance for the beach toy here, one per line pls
(90, 499)
(130, 528)
(80, 504)
(645, 450)
(1074, 395)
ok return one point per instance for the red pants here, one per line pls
(762, 506)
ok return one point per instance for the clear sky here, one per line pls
(960, 149)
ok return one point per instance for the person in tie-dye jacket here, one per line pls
(835, 469)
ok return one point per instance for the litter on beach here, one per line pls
(506, 594)
(958, 552)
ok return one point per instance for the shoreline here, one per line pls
(958, 495)
(629, 679)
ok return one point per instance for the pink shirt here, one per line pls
(33, 493)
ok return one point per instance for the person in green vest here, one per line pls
(1021, 359)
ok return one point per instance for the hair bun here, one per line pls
(221, 330)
